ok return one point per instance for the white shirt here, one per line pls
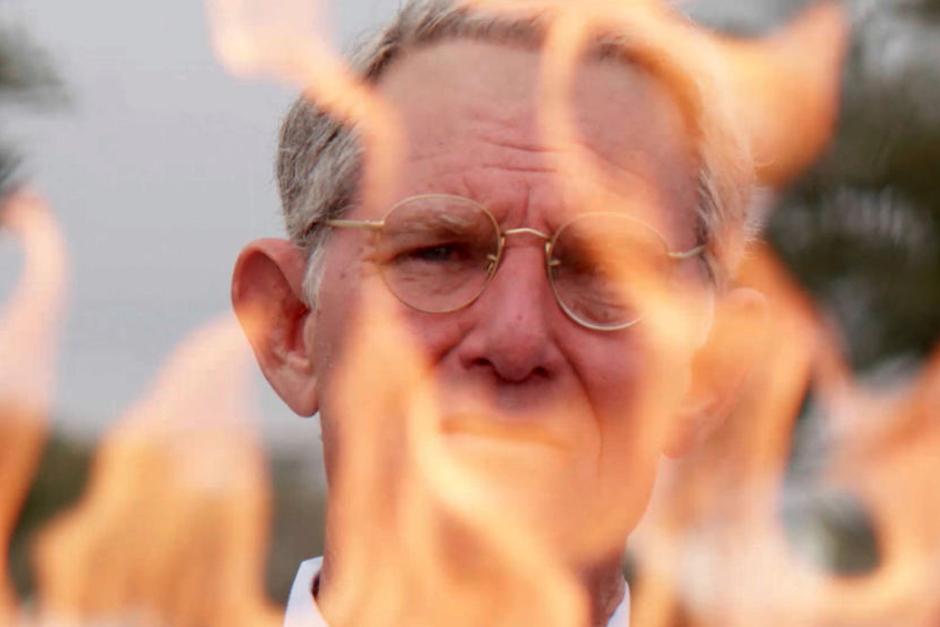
(302, 610)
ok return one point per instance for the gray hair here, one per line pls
(320, 159)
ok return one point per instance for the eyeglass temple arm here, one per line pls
(686, 254)
(373, 225)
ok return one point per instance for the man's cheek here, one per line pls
(632, 406)
(339, 307)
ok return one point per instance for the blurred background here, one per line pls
(158, 164)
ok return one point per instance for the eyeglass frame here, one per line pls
(496, 260)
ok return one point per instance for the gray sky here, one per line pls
(159, 170)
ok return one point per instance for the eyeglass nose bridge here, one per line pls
(530, 231)
(494, 260)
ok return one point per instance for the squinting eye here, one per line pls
(453, 252)
(586, 264)
(443, 252)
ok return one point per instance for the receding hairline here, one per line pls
(528, 32)
(599, 55)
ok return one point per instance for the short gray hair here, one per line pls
(319, 162)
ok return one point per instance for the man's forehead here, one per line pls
(469, 103)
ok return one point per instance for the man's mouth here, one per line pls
(523, 431)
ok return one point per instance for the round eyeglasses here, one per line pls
(437, 253)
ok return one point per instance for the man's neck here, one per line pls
(604, 583)
(606, 587)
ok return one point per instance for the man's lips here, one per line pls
(510, 430)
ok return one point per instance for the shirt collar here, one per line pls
(302, 610)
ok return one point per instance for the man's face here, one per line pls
(512, 359)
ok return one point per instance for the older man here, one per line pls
(557, 286)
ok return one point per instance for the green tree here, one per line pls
(26, 78)
(861, 230)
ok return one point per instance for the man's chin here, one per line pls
(517, 449)
(524, 474)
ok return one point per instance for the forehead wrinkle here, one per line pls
(620, 167)
(511, 203)
(644, 171)
(507, 181)
(435, 158)
(519, 169)
(488, 124)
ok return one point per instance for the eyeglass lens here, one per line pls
(600, 263)
(437, 254)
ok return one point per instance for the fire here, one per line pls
(714, 550)
(410, 499)
(387, 523)
(288, 44)
(791, 79)
(172, 529)
(888, 455)
(29, 333)
(713, 533)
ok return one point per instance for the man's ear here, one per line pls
(267, 293)
(720, 368)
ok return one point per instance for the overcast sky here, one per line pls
(159, 170)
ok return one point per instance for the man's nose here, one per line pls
(511, 333)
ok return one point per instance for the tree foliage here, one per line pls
(861, 230)
(26, 78)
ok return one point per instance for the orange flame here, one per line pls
(714, 550)
(789, 81)
(386, 524)
(172, 529)
(887, 455)
(29, 333)
(288, 44)
(408, 499)
(713, 527)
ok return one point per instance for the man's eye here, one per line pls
(591, 265)
(438, 253)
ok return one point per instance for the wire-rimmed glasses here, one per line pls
(438, 252)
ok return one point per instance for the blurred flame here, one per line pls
(288, 43)
(173, 527)
(713, 549)
(398, 485)
(788, 80)
(789, 86)
(29, 336)
(713, 533)
(888, 454)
